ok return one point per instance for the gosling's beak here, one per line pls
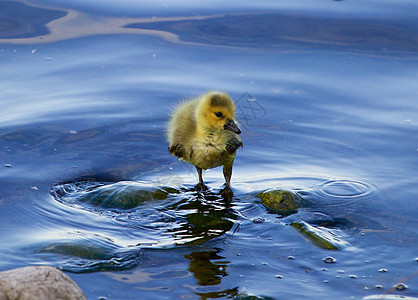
(232, 126)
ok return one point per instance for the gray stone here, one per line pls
(38, 282)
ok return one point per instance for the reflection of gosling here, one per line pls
(202, 132)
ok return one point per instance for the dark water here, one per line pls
(326, 96)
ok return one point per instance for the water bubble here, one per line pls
(340, 271)
(329, 260)
(279, 276)
(383, 270)
(290, 257)
(258, 220)
(326, 281)
(8, 165)
(33, 51)
(401, 286)
(34, 187)
(378, 286)
(353, 276)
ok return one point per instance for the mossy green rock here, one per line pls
(125, 195)
(280, 201)
(322, 237)
(78, 250)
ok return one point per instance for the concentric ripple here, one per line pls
(341, 192)
(346, 189)
(161, 217)
(129, 217)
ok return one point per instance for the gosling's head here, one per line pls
(216, 112)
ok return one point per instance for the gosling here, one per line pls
(203, 133)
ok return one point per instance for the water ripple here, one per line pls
(165, 216)
(143, 216)
(337, 192)
(346, 189)
(83, 253)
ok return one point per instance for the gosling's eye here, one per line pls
(219, 114)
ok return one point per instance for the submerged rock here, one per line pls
(322, 237)
(78, 250)
(77, 257)
(280, 201)
(38, 282)
(124, 195)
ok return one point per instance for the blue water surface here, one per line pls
(326, 98)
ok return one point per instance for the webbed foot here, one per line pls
(227, 193)
(201, 187)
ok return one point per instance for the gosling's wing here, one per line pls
(182, 125)
(233, 144)
(177, 150)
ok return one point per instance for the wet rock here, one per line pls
(78, 257)
(124, 195)
(280, 201)
(38, 282)
(78, 250)
(163, 192)
(322, 237)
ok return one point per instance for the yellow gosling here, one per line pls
(203, 133)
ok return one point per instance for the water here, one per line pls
(326, 98)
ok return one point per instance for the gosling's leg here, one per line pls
(200, 185)
(228, 175)
(227, 192)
